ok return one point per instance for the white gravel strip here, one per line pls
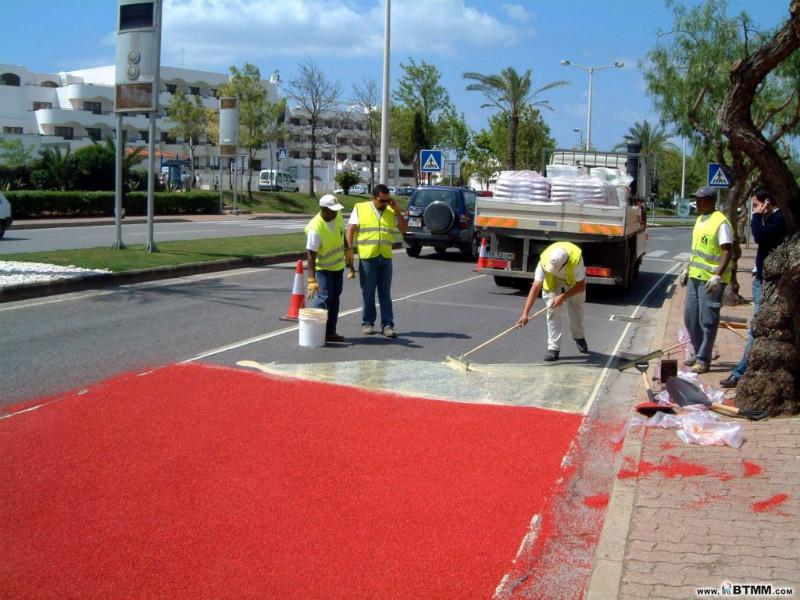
(16, 273)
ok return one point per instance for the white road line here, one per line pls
(624, 333)
(683, 256)
(656, 253)
(664, 260)
(277, 332)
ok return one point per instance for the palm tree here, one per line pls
(510, 92)
(654, 140)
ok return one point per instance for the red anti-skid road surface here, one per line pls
(204, 482)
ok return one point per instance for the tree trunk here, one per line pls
(513, 123)
(772, 379)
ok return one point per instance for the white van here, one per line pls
(5, 215)
(271, 180)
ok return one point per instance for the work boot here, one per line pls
(389, 332)
(367, 329)
(700, 367)
(729, 382)
(551, 355)
(334, 337)
(582, 345)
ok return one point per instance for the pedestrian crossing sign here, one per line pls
(717, 177)
(431, 161)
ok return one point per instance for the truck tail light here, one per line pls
(598, 272)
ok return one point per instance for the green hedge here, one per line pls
(45, 204)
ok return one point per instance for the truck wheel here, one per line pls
(440, 250)
(471, 250)
(413, 249)
(503, 281)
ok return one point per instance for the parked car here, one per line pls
(442, 217)
(359, 188)
(5, 215)
(271, 180)
(404, 190)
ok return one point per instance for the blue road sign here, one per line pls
(717, 177)
(282, 153)
(431, 161)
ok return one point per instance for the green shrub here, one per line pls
(44, 204)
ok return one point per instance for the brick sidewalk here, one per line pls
(683, 516)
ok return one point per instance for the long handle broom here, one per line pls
(460, 362)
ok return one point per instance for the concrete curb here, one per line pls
(606, 579)
(103, 280)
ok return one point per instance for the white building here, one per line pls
(70, 109)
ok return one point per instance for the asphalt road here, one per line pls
(64, 238)
(442, 307)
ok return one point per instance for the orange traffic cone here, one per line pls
(483, 256)
(298, 300)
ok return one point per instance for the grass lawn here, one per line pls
(169, 254)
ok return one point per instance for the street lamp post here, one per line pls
(590, 70)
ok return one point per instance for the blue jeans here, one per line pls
(376, 273)
(330, 290)
(701, 317)
(742, 366)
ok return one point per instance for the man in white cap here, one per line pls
(326, 261)
(561, 277)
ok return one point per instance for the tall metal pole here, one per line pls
(589, 115)
(219, 165)
(118, 245)
(683, 170)
(235, 182)
(151, 166)
(384, 178)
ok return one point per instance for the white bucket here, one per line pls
(312, 327)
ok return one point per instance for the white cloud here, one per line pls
(215, 33)
(516, 12)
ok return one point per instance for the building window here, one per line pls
(357, 157)
(93, 107)
(144, 135)
(194, 91)
(255, 164)
(94, 133)
(167, 138)
(341, 156)
(172, 88)
(10, 79)
(406, 172)
(294, 121)
(49, 84)
(65, 132)
(41, 105)
(215, 93)
(327, 156)
(294, 154)
(17, 130)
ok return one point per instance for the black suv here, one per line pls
(442, 217)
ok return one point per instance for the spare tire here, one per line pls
(439, 217)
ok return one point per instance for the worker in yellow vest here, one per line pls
(326, 261)
(373, 226)
(705, 278)
(561, 277)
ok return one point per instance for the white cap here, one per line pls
(330, 201)
(556, 261)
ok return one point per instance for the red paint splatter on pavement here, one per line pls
(674, 467)
(751, 469)
(667, 446)
(769, 504)
(598, 501)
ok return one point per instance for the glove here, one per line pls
(713, 283)
(683, 278)
(313, 288)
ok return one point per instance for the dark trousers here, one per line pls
(330, 290)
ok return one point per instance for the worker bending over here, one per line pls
(561, 277)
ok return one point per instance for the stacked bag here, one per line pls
(522, 187)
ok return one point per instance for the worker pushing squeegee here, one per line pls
(561, 277)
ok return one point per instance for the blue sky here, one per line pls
(345, 38)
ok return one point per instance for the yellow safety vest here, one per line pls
(574, 254)
(706, 252)
(330, 255)
(375, 236)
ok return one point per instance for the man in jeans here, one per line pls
(769, 229)
(373, 227)
(705, 279)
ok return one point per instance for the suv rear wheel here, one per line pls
(471, 250)
(413, 249)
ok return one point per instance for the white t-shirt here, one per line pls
(354, 215)
(580, 273)
(724, 233)
(313, 241)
